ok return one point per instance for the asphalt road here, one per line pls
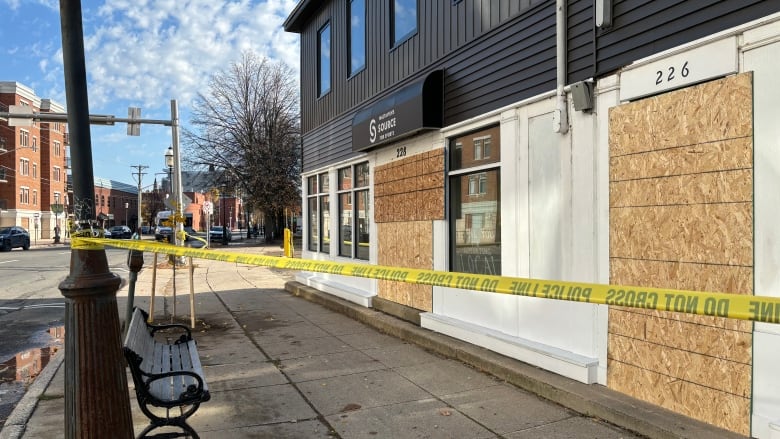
(30, 300)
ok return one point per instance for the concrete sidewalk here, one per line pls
(281, 366)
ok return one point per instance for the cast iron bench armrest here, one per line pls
(156, 328)
(193, 393)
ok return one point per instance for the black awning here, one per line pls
(414, 108)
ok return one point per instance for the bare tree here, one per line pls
(246, 128)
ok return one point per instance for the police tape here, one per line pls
(732, 306)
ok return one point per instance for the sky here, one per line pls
(140, 53)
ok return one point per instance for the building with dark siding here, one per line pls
(612, 142)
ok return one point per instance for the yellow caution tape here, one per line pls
(733, 306)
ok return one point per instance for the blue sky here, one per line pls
(140, 53)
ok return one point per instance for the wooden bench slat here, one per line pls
(177, 385)
(194, 359)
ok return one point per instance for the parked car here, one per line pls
(106, 233)
(215, 233)
(163, 233)
(146, 230)
(121, 232)
(14, 236)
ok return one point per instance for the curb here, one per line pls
(17, 422)
(591, 400)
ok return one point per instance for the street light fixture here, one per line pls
(169, 164)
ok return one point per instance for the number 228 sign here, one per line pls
(692, 66)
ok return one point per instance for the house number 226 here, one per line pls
(671, 72)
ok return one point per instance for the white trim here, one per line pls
(569, 364)
(339, 286)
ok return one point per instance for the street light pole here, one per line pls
(97, 403)
(177, 169)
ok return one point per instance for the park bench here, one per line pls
(167, 374)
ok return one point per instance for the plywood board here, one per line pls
(724, 155)
(406, 244)
(410, 189)
(702, 233)
(708, 188)
(710, 112)
(688, 366)
(681, 217)
(723, 409)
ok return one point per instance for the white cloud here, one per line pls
(149, 52)
(13, 4)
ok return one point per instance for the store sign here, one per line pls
(692, 66)
(414, 108)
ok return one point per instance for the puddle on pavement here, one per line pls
(20, 371)
(25, 366)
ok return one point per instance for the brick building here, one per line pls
(32, 164)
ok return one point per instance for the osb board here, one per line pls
(410, 189)
(709, 188)
(688, 366)
(722, 155)
(632, 322)
(687, 276)
(678, 334)
(406, 244)
(683, 276)
(412, 206)
(705, 233)
(681, 216)
(709, 112)
(723, 409)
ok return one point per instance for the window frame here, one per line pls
(394, 35)
(321, 91)
(476, 173)
(354, 191)
(24, 166)
(24, 138)
(354, 70)
(317, 194)
(24, 195)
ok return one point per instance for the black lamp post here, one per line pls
(97, 403)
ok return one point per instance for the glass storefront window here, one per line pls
(364, 220)
(354, 214)
(314, 236)
(325, 223)
(345, 221)
(475, 203)
(319, 213)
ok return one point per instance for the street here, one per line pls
(30, 300)
(32, 312)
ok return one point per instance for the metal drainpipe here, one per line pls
(561, 115)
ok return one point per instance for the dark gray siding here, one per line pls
(644, 27)
(493, 52)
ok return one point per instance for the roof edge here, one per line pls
(300, 15)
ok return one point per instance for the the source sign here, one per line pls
(414, 108)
